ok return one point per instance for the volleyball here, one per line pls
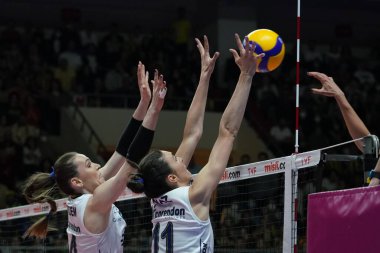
(270, 43)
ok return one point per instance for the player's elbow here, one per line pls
(228, 131)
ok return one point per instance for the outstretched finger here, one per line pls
(200, 46)
(205, 42)
(146, 78)
(318, 75)
(139, 76)
(238, 43)
(155, 75)
(234, 54)
(215, 56)
(259, 56)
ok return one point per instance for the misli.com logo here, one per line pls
(37, 209)
(274, 166)
(230, 175)
(13, 213)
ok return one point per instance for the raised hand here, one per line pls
(159, 90)
(143, 82)
(207, 62)
(246, 59)
(329, 87)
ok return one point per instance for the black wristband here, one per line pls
(127, 136)
(140, 145)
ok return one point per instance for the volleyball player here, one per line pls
(354, 124)
(181, 220)
(95, 224)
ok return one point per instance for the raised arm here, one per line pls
(143, 140)
(354, 124)
(108, 192)
(209, 177)
(194, 120)
(118, 157)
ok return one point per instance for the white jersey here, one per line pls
(81, 240)
(176, 228)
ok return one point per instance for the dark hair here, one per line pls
(42, 187)
(151, 178)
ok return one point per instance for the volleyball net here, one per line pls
(257, 207)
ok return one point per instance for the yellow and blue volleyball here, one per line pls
(270, 43)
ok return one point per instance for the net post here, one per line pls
(287, 235)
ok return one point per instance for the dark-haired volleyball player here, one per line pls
(180, 204)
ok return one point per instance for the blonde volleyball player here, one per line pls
(354, 124)
(95, 224)
(181, 221)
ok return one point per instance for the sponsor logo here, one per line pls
(170, 212)
(73, 227)
(252, 171)
(274, 166)
(230, 175)
(37, 209)
(161, 201)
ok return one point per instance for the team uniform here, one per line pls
(176, 228)
(81, 240)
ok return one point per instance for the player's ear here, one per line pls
(171, 178)
(75, 183)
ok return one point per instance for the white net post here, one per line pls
(287, 228)
(298, 161)
(294, 203)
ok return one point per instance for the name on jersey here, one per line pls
(74, 228)
(72, 210)
(170, 212)
(204, 247)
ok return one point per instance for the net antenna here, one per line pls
(291, 178)
(296, 145)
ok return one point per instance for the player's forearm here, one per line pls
(234, 112)
(195, 115)
(355, 125)
(141, 110)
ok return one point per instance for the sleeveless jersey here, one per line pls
(81, 240)
(176, 228)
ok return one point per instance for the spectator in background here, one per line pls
(363, 75)
(71, 55)
(313, 57)
(244, 159)
(262, 156)
(65, 74)
(14, 108)
(31, 156)
(88, 36)
(111, 48)
(281, 133)
(182, 31)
